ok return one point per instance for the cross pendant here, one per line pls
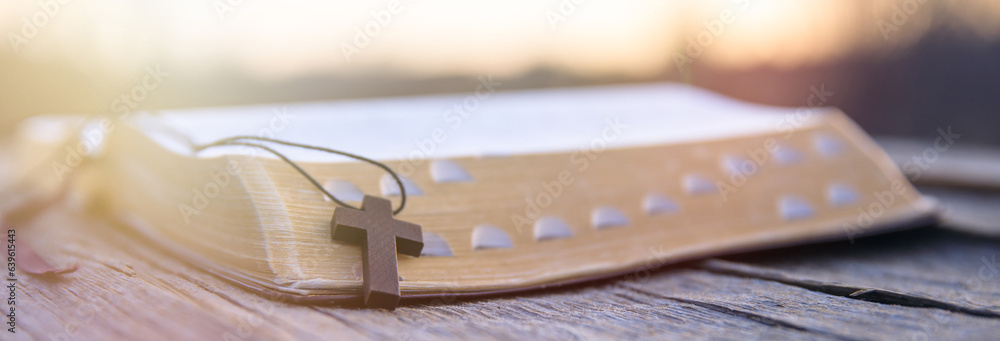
(380, 237)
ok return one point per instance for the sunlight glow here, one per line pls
(271, 39)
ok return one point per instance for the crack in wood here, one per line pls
(770, 322)
(873, 295)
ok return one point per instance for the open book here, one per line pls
(514, 190)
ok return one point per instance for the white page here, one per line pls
(504, 123)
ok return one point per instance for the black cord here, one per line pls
(237, 141)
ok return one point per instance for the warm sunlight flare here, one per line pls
(288, 39)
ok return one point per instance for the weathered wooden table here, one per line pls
(938, 282)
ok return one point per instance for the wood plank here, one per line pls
(126, 288)
(821, 315)
(931, 263)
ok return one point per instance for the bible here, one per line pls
(513, 190)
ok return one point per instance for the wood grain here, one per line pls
(931, 266)
(126, 288)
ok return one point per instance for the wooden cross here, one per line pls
(380, 237)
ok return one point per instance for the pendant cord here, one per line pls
(242, 141)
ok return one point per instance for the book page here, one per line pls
(481, 123)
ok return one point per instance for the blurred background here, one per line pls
(898, 67)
